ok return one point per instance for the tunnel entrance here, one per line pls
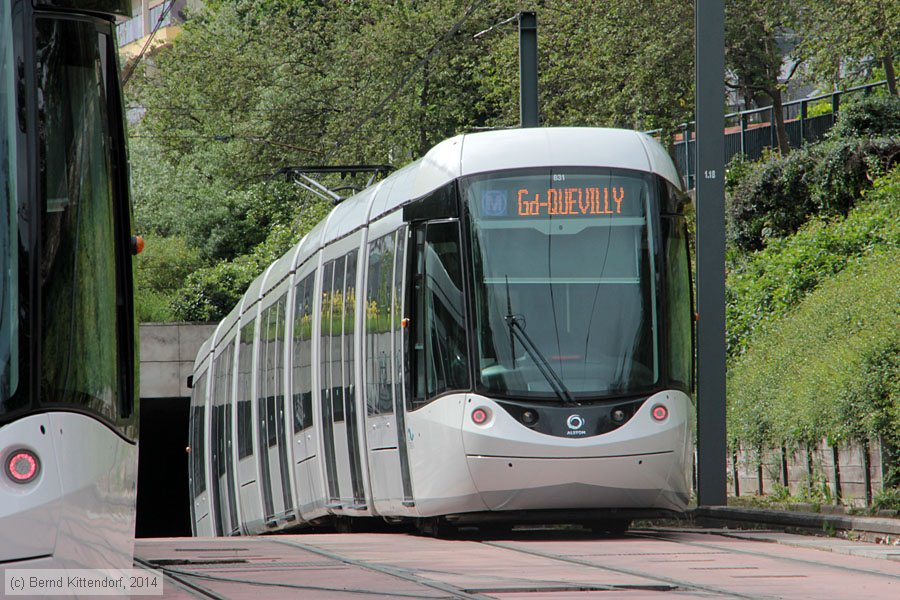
(163, 508)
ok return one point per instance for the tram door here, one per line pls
(248, 477)
(273, 458)
(222, 474)
(200, 505)
(343, 473)
(305, 436)
(384, 345)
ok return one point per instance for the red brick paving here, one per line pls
(648, 565)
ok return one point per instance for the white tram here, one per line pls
(499, 332)
(68, 419)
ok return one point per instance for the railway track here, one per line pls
(647, 563)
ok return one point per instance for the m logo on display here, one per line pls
(575, 423)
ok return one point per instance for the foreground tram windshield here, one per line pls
(564, 285)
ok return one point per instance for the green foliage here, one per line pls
(159, 272)
(773, 197)
(869, 116)
(250, 87)
(887, 499)
(209, 293)
(764, 286)
(769, 200)
(843, 41)
(823, 107)
(829, 368)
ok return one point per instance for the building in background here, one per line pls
(134, 32)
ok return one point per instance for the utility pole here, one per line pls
(710, 196)
(528, 70)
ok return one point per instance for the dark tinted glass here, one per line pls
(77, 264)
(198, 438)
(678, 302)
(9, 369)
(302, 354)
(566, 259)
(245, 390)
(379, 286)
(441, 348)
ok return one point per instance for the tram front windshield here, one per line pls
(8, 239)
(565, 302)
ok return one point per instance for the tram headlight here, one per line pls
(530, 417)
(481, 415)
(22, 466)
(659, 412)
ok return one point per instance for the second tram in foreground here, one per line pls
(68, 391)
(499, 332)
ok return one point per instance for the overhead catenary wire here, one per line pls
(379, 108)
(156, 27)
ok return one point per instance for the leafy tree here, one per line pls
(756, 35)
(851, 35)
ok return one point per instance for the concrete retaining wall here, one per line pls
(167, 355)
(839, 473)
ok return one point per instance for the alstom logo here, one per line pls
(575, 424)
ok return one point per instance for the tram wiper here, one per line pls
(517, 330)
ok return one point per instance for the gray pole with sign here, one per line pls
(529, 113)
(710, 198)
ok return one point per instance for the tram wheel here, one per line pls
(436, 527)
(344, 525)
(495, 530)
(610, 527)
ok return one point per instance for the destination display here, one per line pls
(570, 201)
(538, 198)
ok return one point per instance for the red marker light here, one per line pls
(480, 416)
(22, 466)
(660, 412)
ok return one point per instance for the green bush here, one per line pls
(765, 285)
(160, 270)
(773, 197)
(869, 116)
(829, 369)
(210, 293)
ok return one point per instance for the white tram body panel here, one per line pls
(80, 509)
(355, 404)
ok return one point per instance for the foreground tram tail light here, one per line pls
(659, 412)
(481, 415)
(22, 466)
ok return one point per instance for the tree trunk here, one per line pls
(784, 144)
(890, 75)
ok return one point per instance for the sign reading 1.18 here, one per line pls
(573, 201)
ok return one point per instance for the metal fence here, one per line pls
(749, 132)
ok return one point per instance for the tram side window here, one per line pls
(197, 438)
(221, 411)
(379, 287)
(350, 328)
(397, 315)
(302, 354)
(244, 398)
(324, 339)
(271, 400)
(441, 350)
(678, 302)
(81, 363)
(336, 332)
(278, 380)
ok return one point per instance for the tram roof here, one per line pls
(461, 156)
(474, 153)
